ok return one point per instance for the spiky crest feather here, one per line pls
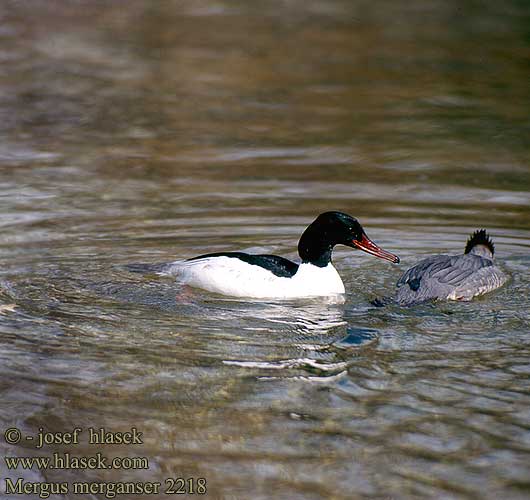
(480, 237)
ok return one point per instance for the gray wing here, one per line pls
(440, 277)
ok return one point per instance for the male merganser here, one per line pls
(453, 277)
(270, 276)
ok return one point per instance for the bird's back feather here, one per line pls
(458, 277)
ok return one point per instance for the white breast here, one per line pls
(232, 276)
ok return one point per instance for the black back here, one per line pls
(279, 266)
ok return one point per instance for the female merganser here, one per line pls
(270, 276)
(453, 277)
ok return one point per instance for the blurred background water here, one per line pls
(153, 131)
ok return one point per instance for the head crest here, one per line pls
(480, 237)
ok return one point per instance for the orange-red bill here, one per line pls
(368, 246)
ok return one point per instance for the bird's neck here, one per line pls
(314, 248)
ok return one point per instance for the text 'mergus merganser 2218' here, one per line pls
(270, 276)
(453, 277)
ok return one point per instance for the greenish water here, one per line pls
(154, 131)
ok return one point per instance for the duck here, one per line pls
(263, 276)
(453, 277)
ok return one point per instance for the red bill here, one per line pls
(368, 246)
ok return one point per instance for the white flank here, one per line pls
(232, 276)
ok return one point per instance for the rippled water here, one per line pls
(153, 131)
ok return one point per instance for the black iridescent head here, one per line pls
(336, 228)
(479, 243)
